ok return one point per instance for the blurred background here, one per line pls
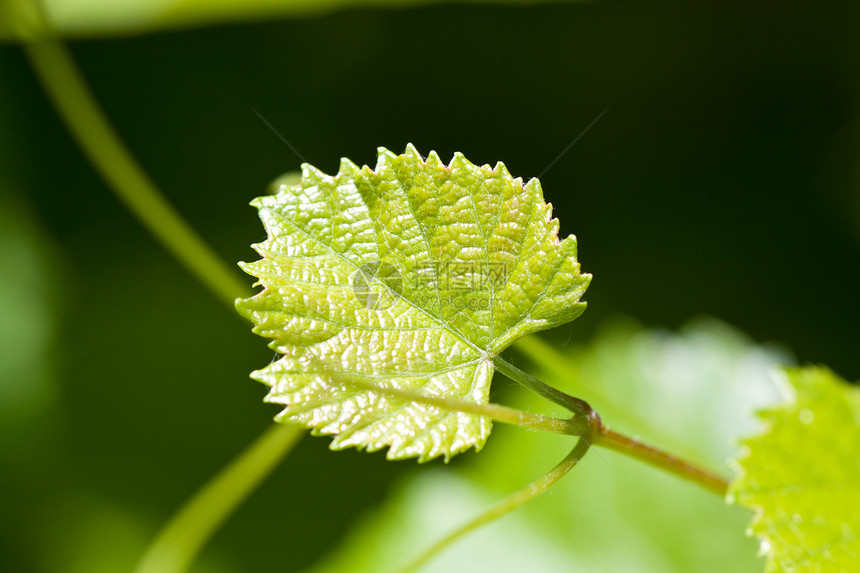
(723, 181)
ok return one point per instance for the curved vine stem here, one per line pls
(584, 423)
(68, 91)
(585, 419)
(504, 506)
(559, 366)
(496, 412)
(184, 536)
(584, 416)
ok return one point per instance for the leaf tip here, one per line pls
(347, 169)
(384, 159)
(412, 153)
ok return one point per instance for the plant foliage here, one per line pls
(413, 275)
(802, 477)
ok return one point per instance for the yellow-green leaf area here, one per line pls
(802, 477)
(414, 275)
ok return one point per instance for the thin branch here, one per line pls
(79, 110)
(588, 424)
(503, 507)
(584, 416)
(193, 525)
(179, 542)
(559, 366)
(660, 459)
(496, 412)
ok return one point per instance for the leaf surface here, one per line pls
(802, 477)
(411, 275)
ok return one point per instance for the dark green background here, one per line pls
(723, 180)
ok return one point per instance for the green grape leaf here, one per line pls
(411, 275)
(802, 477)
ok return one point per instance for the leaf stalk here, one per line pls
(497, 412)
(587, 423)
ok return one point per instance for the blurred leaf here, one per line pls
(27, 285)
(104, 17)
(802, 476)
(413, 275)
(612, 514)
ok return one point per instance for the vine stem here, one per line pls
(179, 542)
(496, 412)
(559, 366)
(508, 504)
(658, 458)
(583, 414)
(586, 419)
(70, 95)
(584, 423)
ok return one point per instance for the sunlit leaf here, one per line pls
(412, 275)
(802, 476)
